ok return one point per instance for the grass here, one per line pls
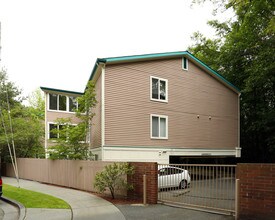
(31, 199)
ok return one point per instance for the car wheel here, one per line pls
(183, 184)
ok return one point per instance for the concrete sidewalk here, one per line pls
(8, 211)
(83, 205)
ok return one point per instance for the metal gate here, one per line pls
(202, 187)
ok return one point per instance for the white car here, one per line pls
(169, 176)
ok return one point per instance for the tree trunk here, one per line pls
(112, 193)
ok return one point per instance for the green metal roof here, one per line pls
(141, 57)
(155, 56)
(60, 90)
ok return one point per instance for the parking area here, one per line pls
(164, 212)
(211, 188)
(216, 193)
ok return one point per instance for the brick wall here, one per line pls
(257, 191)
(150, 169)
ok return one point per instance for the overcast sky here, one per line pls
(55, 43)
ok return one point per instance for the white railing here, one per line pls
(203, 187)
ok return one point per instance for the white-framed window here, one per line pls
(158, 89)
(53, 126)
(184, 63)
(72, 103)
(159, 126)
(58, 102)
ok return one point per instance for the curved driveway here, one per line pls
(84, 205)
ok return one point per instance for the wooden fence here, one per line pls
(76, 174)
(80, 174)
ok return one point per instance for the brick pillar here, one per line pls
(151, 171)
(257, 191)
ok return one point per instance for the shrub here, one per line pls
(113, 178)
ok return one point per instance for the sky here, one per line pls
(55, 43)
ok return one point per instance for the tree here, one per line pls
(26, 130)
(36, 104)
(113, 177)
(8, 91)
(244, 54)
(71, 141)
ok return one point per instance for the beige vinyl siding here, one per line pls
(53, 116)
(96, 122)
(191, 93)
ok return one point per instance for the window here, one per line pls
(169, 171)
(55, 131)
(72, 104)
(62, 103)
(53, 101)
(159, 89)
(159, 128)
(184, 63)
(52, 134)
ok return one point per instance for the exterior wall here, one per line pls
(190, 93)
(158, 154)
(51, 116)
(96, 122)
(257, 191)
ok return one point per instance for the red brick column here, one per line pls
(151, 171)
(257, 191)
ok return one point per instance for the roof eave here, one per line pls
(144, 57)
(47, 89)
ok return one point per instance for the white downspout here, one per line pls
(238, 148)
(102, 111)
(46, 125)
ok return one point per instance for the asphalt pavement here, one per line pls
(164, 212)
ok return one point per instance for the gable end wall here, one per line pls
(193, 97)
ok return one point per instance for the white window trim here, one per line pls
(54, 140)
(54, 123)
(166, 86)
(67, 104)
(151, 126)
(48, 129)
(182, 63)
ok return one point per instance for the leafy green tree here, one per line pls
(26, 131)
(243, 52)
(36, 104)
(113, 177)
(72, 140)
(8, 91)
